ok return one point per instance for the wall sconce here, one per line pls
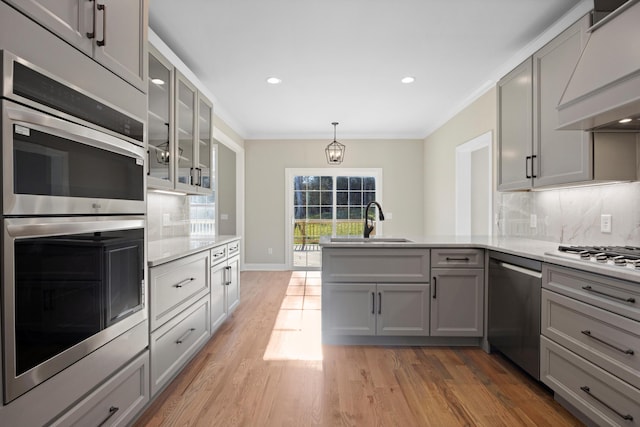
(335, 150)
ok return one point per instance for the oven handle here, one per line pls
(54, 226)
(46, 123)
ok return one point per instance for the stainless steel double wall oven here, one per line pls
(73, 225)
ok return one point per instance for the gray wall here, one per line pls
(265, 164)
(226, 196)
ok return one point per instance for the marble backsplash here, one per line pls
(167, 215)
(572, 215)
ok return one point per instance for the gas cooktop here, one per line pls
(624, 259)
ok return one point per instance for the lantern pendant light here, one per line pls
(335, 150)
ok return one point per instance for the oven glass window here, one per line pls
(48, 165)
(68, 288)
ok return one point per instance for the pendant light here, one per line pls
(335, 150)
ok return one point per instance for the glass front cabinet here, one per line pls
(180, 131)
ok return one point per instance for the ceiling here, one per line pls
(342, 60)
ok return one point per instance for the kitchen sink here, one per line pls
(370, 240)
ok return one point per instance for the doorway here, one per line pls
(326, 202)
(474, 184)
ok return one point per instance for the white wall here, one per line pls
(265, 162)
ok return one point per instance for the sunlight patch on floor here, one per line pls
(296, 334)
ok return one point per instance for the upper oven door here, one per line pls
(54, 167)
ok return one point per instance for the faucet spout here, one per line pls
(368, 228)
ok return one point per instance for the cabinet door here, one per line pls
(561, 156)
(204, 168)
(403, 309)
(457, 297)
(121, 38)
(515, 122)
(160, 126)
(349, 309)
(218, 295)
(70, 20)
(233, 284)
(186, 97)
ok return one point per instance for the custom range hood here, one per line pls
(605, 86)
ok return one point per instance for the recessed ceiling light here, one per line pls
(408, 79)
(158, 82)
(274, 80)
(627, 120)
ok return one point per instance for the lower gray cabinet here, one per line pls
(225, 282)
(376, 309)
(457, 300)
(175, 342)
(117, 401)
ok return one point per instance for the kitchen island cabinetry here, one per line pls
(457, 292)
(532, 153)
(374, 292)
(113, 33)
(590, 344)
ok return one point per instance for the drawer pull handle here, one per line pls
(621, 350)
(435, 287)
(218, 254)
(185, 336)
(587, 390)
(457, 259)
(590, 289)
(112, 412)
(184, 282)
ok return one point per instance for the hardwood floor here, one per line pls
(267, 367)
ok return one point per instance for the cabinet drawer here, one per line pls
(375, 265)
(619, 296)
(451, 258)
(603, 398)
(175, 285)
(233, 248)
(218, 254)
(117, 401)
(604, 338)
(173, 344)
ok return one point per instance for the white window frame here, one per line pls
(290, 173)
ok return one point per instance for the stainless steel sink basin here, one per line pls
(370, 240)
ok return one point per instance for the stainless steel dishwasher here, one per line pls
(514, 309)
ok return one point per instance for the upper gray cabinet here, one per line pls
(194, 138)
(532, 153)
(160, 124)
(113, 33)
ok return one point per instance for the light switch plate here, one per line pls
(533, 221)
(605, 223)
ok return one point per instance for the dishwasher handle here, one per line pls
(532, 273)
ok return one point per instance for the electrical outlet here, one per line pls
(533, 221)
(224, 217)
(166, 219)
(388, 215)
(605, 223)
(270, 251)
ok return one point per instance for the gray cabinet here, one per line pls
(225, 282)
(590, 327)
(175, 285)
(117, 402)
(515, 124)
(160, 121)
(390, 309)
(457, 301)
(457, 292)
(113, 33)
(194, 139)
(531, 152)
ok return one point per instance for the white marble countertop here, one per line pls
(535, 249)
(165, 250)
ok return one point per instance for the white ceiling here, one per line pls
(342, 60)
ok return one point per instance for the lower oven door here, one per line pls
(70, 285)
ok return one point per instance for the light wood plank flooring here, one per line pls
(267, 367)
